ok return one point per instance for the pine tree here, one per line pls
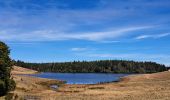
(6, 83)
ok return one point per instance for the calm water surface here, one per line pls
(81, 78)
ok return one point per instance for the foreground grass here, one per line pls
(136, 87)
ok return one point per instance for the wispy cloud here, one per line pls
(100, 21)
(160, 58)
(78, 49)
(155, 36)
(107, 41)
(55, 15)
(129, 55)
(51, 35)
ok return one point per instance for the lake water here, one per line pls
(82, 78)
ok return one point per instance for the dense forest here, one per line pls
(103, 66)
(6, 83)
(168, 68)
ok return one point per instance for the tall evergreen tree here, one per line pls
(6, 83)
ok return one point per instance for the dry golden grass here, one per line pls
(136, 87)
(21, 70)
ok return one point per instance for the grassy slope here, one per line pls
(135, 87)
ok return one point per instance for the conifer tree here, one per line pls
(6, 83)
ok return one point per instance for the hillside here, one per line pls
(28, 87)
(134, 87)
(102, 66)
(21, 70)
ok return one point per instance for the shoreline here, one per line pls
(118, 80)
(145, 86)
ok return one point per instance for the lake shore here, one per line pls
(133, 87)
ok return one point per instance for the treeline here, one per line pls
(6, 83)
(168, 68)
(103, 66)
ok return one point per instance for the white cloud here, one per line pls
(107, 14)
(159, 58)
(78, 49)
(133, 55)
(152, 36)
(52, 35)
(109, 41)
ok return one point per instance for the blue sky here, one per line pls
(67, 30)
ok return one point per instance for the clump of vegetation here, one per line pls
(6, 83)
(93, 88)
(102, 66)
(52, 82)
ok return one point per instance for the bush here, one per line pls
(10, 85)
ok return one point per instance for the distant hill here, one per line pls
(102, 66)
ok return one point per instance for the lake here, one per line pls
(82, 78)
